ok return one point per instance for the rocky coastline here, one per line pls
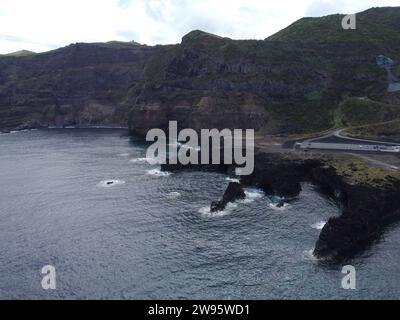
(366, 207)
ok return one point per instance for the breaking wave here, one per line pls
(319, 225)
(206, 211)
(173, 195)
(277, 207)
(138, 160)
(252, 195)
(232, 179)
(158, 173)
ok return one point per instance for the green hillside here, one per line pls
(364, 111)
(377, 25)
(389, 131)
(21, 53)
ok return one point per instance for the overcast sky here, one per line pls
(41, 25)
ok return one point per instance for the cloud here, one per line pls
(324, 7)
(42, 25)
(124, 3)
(128, 35)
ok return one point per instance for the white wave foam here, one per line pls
(124, 155)
(276, 207)
(158, 173)
(251, 195)
(27, 130)
(138, 160)
(233, 180)
(173, 195)
(19, 131)
(309, 255)
(110, 183)
(319, 225)
(206, 211)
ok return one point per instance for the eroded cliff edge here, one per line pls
(300, 80)
(368, 196)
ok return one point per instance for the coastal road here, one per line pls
(378, 153)
(336, 136)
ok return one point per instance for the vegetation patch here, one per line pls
(389, 131)
(361, 111)
(360, 172)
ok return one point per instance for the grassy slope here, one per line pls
(22, 53)
(364, 111)
(377, 33)
(389, 131)
(377, 25)
(359, 172)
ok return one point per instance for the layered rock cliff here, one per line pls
(82, 84)
(291, 82)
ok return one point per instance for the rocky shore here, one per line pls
(369, 197)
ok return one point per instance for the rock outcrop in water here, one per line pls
(233, 192)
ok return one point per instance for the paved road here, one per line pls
(338, 134)
(337, 137)
(366, 149)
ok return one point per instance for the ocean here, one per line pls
(114, 227)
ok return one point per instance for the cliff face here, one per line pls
(82, 84)
(292, 82)
(289, 83)
(273, 86)
(367, 210)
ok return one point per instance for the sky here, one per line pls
(42, 25)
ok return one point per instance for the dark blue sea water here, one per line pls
(151, 235)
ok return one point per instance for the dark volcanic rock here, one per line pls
(167, 167)
(233, 192)
(366, 211)
(280, 204)
(278, 175)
